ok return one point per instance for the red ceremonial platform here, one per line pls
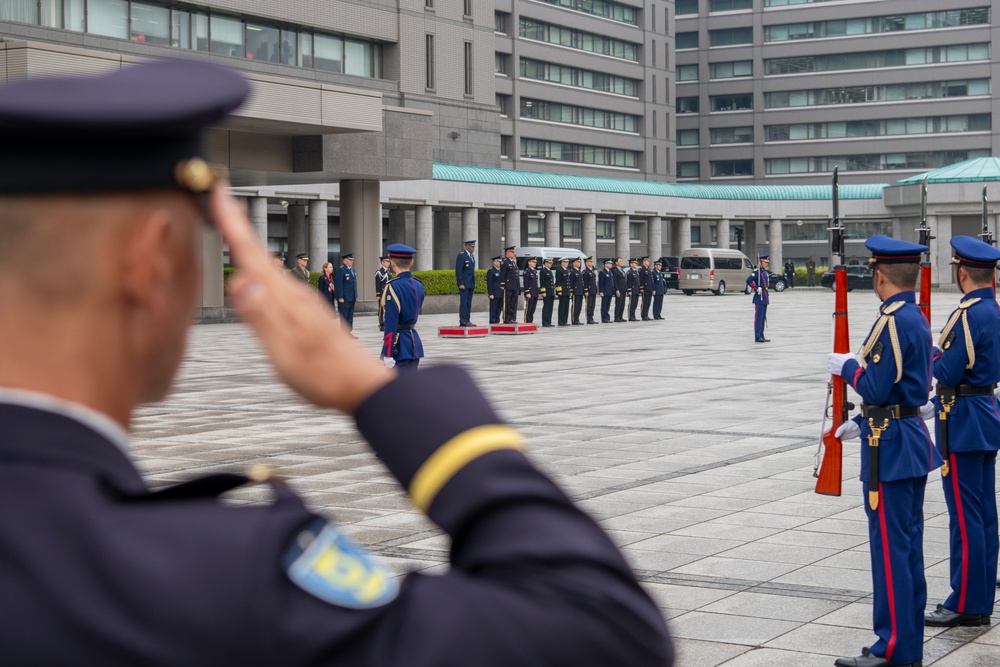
(464, 332)
(514, 328)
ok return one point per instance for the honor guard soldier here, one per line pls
(347, 290)
(511, 285)
(967, 369)
(465, 276)
(590, 289)
(659, 289)
(530, 289)
(646, 286)
(382, 277)
(757, 282)
(301, 268)
(576, 290)
(547, 291)
(495, 291)
(606, 286)
(893, 378)
(99, 569)
(633, 288)
(562, 290)
(621, 287)
(401, 301)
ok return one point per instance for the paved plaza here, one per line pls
(691, 444)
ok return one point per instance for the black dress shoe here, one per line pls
(946, 618)
(765, 340)
(867, 659)
(632, 319)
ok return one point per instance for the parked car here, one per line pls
(777, 281)
(671, 270)
(858, 277)
(713, 269)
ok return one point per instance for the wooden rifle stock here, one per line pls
(829, 480)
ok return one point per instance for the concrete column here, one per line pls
(588, 232)
(361, 231)
(750, 239)
(257, 208)
(485, 243)
(525, 235)
(622, 238)
(654, 237)
(442, 240)
(722, 234)
(212, 274)
(319, 233)
(553, 229)
(774, 232)
(397, 226)
(298, 235)
(511, 230)
(683, 235)
(470, 230)
(424, 228)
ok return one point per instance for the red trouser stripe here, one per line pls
(956, 489)
(887, 564)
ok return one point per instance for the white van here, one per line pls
(544, 252)
(717, 270)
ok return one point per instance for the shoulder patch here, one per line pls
(326, 564)
(949, 339)
(877, 351)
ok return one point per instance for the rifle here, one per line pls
(828, 475)
(925, 266)
(986, 235)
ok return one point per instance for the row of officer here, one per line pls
(638, 282)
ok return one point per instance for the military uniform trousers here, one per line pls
(620, 307)
(647, 301)
(591, 307)
(346, 310)
(759, 320)
(606, 308)
(465, 305)
(657, 306)
(509, 306)
(577, 307)
(564, 308)
(633, 303)
(547, 304)
(530, 303)
(496, 309)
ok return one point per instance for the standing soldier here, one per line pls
(606, 286)
(810, 272)
(301, 270)
(401, 301)
(530, 289)
(967, 368)
(790, 272)
(510, 284)
(495, 291)
(633, 288)
(646, 285)
(893, 379)
(576, 290)
(659, 289)
(347, 290)
(757, 281)
(465, 276)
(562, 290)
(547, 291)
(382, 277)
(621, 283)
(590, 289)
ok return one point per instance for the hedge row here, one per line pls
(435, 282)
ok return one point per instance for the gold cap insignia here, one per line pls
(196, 175)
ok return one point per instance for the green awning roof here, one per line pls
(969, 171)
(536, 179)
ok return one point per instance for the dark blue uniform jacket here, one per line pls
(347, 284)
(403, 298)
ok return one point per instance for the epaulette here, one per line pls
(893, 307)
(969, 303)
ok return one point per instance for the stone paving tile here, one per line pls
(746, 630)
(772, 606)
(765, 657)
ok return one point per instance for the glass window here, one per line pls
(305, 49)
(687, 72)
(263, 43)
(686, 40)
(201, 42)
(686, 7)
(108, 18)
(288, 51)
(687, 137)
(571, 228)
(52, 13)
(180, 29)
(227, 36)
(150, 24)
(688, 170)
(20, 11)
(328, 53)
(468, 69)
(429, 62)
(358, 58)
(605, 229)
(76, 15)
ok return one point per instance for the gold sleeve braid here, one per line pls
(961, 313)
(887, 319)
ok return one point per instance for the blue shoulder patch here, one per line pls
(326, 564)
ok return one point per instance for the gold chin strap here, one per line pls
(887, 319)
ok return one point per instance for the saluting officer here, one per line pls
(530, 289)
(893, 379)
(606, 286)
(465, 276)
(563, 291)
(547, 291)
(510, 284)
(621, 287)
(633, 287)
(758, 283)
(401, 301)
(646, 286)
(659, 289)
(590, 288)
(967, 368)
(382, 277)
(495, 291)
(576, 290)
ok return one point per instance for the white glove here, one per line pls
(389, 362)
(835, 361)
(848, 430)
(927, 410)
(760, 292)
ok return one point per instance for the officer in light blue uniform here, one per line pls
(967, 368)
(402, 299)
(758, 283)
(465, 277)
(347, 290)
(893, 378)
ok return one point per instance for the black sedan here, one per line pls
(777, 281)
(858, 277)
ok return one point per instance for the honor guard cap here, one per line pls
(302, 255)
(347, 255)
(472, 242)
(893, 251)
(400, 250)
(498, 259)
(763, 257)
(974, 253)
(139, 128)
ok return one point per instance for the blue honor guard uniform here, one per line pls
(758, 284)
(465, 278)
(402, 299)
(967, 424)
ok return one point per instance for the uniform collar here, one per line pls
(908, 296)
(987, 293)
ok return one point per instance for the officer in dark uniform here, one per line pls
(967, 368)
(633, 287)
(301, 268)
(465, 276)
(99, 569)
(382, 277)
(646, 286)
(893, 379)
(511, 285)
(495, 291)
(606, 286)
(576, 290)
(758, 282)
(401, 301)
(530, 289)
(563, 290)
(659, 289)
(347, 290)
(621, 287)
(547, 291)
(590, 288)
